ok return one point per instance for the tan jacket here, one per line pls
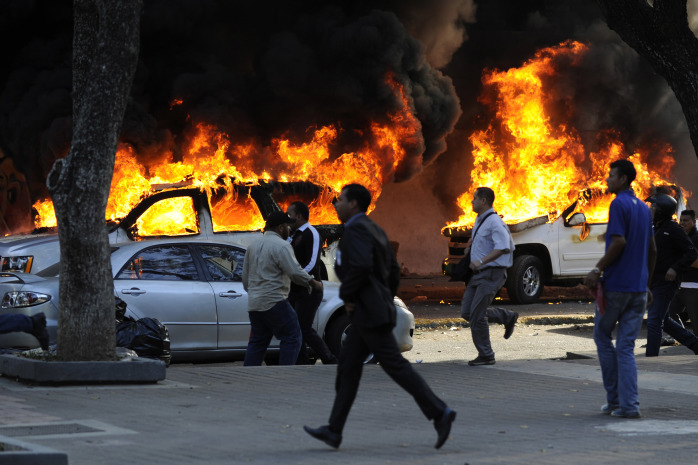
(269, 267)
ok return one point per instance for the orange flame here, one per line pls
(211, 162)
(537, 167)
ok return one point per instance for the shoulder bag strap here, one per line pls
(481, 222)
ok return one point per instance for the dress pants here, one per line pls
(281, 322)
(381, 342)
(479, 293)
(306, 304)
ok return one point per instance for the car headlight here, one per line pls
(20, 264)
(16, 299)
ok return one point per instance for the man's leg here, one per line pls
(260, 337)
(603, 337)
(485, 284)
(306, 308)
(681, 334)
(661, 298)
(351, 364)
(283, 322)
(629, 327)
(15, 322)
(384, 347)
(689, 298)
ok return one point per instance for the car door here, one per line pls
(223, 267)
(580, 247)
(163, 282)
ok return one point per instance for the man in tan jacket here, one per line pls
(270, 266)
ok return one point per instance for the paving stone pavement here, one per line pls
(515, 412)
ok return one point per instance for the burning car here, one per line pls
(558, 251)
(180, 212)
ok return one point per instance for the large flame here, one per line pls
(537, 167)
(211, 162)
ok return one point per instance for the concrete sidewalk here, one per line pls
(515, 412)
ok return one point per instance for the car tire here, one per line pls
(525, 281)
(336, 331)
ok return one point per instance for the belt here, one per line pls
(489, 268)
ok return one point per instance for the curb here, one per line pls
(27, 370)
(17, 452)
(436, 323)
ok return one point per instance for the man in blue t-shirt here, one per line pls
(627, 269)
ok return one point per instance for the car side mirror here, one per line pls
(577, 219)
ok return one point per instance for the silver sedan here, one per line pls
(193, 287)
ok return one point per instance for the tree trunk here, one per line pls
(105, 53)
(660, 34)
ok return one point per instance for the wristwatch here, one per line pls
(596, 270)
(481, 262)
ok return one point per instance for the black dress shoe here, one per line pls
(325, 435)
(443, 426)
(509, 327)
(39, 329)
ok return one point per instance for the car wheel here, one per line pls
(336, 331)
(336, 334)
(525, 283)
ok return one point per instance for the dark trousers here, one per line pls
(358, 345)
(658, 320)
(15, 322)
(686, 298)
(306, 304)
(280, 321)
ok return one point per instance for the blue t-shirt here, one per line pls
(631, 218)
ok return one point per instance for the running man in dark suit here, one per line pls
(370, 275)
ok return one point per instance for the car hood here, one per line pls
(18, 242)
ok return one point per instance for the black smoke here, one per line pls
(256, 70)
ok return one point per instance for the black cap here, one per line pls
(277, 218)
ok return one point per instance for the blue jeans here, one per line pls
(618, 369)
(280, 321)
(659, 320)
(15, 322)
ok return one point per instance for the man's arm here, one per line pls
(688, 256)
(490, 257)
(614, 251)
(288, 263)
(357, 260)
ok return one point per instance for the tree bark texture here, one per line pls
(105, 53)
(659, 32)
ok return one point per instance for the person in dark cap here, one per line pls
(269, 267)
(675, 254)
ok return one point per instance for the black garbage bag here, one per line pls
(148, 337)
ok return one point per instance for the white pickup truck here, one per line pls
(554, 253)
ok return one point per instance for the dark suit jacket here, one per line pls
(369, 273)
